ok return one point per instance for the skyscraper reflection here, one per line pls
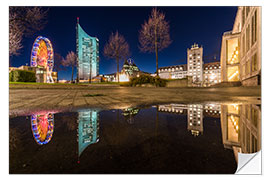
(88, 127)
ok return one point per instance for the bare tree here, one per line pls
(24, 21)
(116, 48)
(154, 35)
(58, 63)
(70, 61)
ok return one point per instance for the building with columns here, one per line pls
(241, 48)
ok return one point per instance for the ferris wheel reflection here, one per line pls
(42, 127)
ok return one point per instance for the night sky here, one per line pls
(203, 25)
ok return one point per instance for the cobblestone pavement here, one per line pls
(24, 101)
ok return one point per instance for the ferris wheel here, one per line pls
(42, 56)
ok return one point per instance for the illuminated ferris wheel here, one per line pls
(42, 56)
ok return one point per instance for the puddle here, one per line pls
(170, 138)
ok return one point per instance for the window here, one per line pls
(254, 28)
(248, 38)
(254, 63)
(254, 116)
(247, 68)
(247, 10)
(243, 16)
(243, 45)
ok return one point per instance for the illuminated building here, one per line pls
(211, 73)
(42, 126)
(195, 119)
(42, 59)
(195, 63)
(173, 72)
(241, 48)
(241, 127)
(129, 114)
(173, 108)
(212, 110)
(128, 71)
(88, 127)
(88, 55)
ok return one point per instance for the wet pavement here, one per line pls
(175, 138)
(24, 100)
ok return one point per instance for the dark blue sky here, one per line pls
(203, 25)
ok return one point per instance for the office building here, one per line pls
(88, 55)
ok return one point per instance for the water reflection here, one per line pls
(130, 113)
(241, 127)
(88, 127)
(168, 138)
(42, 127)
(195, 114)
(240, 123)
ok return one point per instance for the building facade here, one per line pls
(211, 73)
(241, 48)
(241, 128)
(87, 55)
(88, 128)
(195, 63)
(173, 72)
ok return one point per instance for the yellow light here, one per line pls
(234, 74)
(236, 52)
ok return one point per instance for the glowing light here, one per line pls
(42, 56)
(123, 77)
(42, 127)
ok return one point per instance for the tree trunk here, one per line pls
(72, 75)
(117, 69)
(57, 77)
(90, 73)
(156, 49)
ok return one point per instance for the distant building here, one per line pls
(41, 73)
(195, 63)
(88, 55)
(211, 73)
(241, 48)
(173, 72)
(128, 71)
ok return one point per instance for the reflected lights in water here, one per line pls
(88, 127)
(42, 127)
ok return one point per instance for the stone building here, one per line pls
(173, 72)
(211, 73)
(241, 48)
(195, 63)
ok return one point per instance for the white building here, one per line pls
(195, 119)
(173, 72)
(195, 63)
(211, 73)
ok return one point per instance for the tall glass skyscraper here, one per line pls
(87, 49)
